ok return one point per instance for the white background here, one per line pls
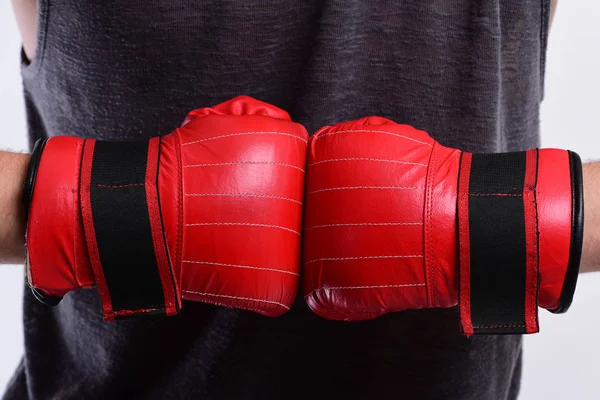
(561, 362)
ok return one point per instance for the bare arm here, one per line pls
(590, 259)
(13, 168)
(26, 14)
(553, 10)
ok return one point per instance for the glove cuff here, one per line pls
(520, 232)
(56, 258)
(94, 218)
(28, 186)
(569, 281)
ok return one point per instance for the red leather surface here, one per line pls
(239, 206)
(441, 238)
(231, 188)
(464, 240)
(554, 200)
(369, 203)
(381, 230)
(380, 223)
(58, 257)
(168, 279)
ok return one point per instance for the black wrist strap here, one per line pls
(498, 274)
(499, 242)
(124, 231)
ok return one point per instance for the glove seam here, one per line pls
(179, 245)
(431, 292)
(78, 221)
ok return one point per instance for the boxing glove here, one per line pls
(210, 212)
(396, 221)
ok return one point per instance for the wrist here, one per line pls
(590, 259)
(13, 167)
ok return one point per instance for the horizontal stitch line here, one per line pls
(499, 326)
(361, 258)
(244, 224)
(119, 186)
(368, 224)
(363, 287)
(367, 159)
(237, 306)
(137, 310)
(243, 134)
(366, 187)
(496, 194)
(241, 266)
(244, 163)
(267, 196)
(237, 298)
(373, 131)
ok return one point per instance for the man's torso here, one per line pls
(470, 73)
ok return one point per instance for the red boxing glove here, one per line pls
(211, 212)
(395, 221)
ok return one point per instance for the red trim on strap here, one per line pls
(531, 242)
(169, 283)
(464, 297)
(88, 226)
(130, 313)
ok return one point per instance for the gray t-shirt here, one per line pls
(469, 72)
